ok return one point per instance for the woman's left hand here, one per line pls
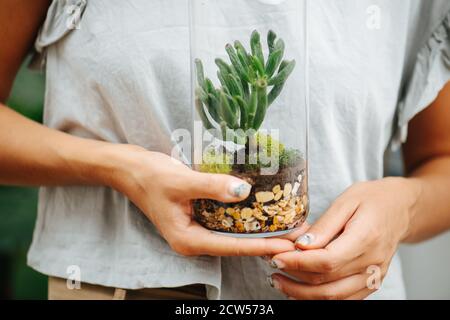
(347, 252)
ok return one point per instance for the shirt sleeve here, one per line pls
(63, 16)
(430, 73)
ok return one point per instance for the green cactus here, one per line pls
(249, 85)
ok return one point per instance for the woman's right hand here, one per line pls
(163, 188)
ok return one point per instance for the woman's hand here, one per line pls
(163, 188)
(347, 252)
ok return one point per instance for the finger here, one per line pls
(337, 290)
(344, 252)
(297, 232)
(329, 225)
(291, 237)
(352, 243)
(196, 240)
(317, 260)
(315, 278)
(361, 295)
(221, 187)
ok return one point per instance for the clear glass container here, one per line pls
(250, 111)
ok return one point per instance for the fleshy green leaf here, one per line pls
(271, 36)
(283, 74)
(255, 43)
(256, 63)
(199, 71)
(273, 62)
(201, 112)
(240, 69)
(262, 107)
(252, 106)
(226, 112)
(244, 112)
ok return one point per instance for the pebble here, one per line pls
(264, 196)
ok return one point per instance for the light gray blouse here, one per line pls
(123, 76)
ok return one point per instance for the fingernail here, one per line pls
(240, 189)
(273, 282)
(270, 281)
(305, 239)
(290, 298)
(277, 264)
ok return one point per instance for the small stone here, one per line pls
(276, 189)
(240, 226)
(295, 188)
(278, 195)
(270, 211)
(282, 203)
(282, 213)
(206, 213)
(300, 178)
(259, 215)
(292, 202)
(236, 215)
(246, 213)
(221, 210)
(252, 226)
(230, 211)
(289, 218)
(226, 223)
(287, 190)
(264, 196)
(278, 219)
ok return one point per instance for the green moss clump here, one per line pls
(269, 144)
(289, 158)
(216, 162)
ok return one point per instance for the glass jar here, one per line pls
(250, 111)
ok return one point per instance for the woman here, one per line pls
(115, 206)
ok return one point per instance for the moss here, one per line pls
(215, 162)
(269, 144)
(289, 158)
(222, 162)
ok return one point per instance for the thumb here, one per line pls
(221, 187)
(328, 226)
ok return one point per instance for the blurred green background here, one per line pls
(18, 206)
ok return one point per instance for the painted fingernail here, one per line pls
(240, 189)
(277, 264)
(273, 282)
(270, 281)
(305, 239)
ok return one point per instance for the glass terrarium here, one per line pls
(250, 107)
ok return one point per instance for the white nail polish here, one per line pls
(239, 189)
(305, 239)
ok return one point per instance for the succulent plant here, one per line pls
(249, 85)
